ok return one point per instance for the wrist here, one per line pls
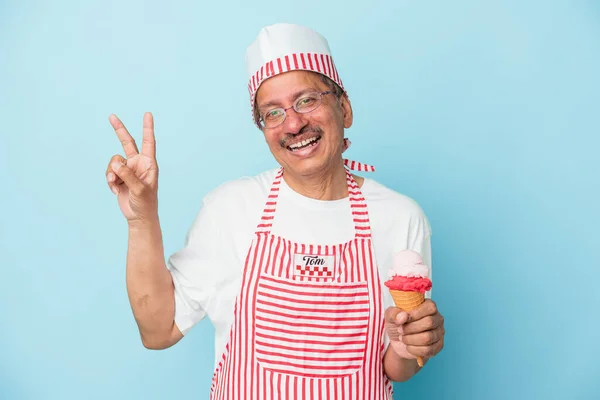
(143, 224)
(398, 368)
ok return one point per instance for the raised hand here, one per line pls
(134, 178)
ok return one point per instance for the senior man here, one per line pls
(289, 264)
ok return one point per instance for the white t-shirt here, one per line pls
(207, 271)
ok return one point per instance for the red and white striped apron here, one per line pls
(309, 318)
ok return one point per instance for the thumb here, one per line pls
(127, 175)
(401, 318)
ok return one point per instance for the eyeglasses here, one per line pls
(305, 104)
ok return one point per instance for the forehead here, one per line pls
(285, 87)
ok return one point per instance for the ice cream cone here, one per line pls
(408, 282)
(408, 301)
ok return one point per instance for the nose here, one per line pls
(294, 121)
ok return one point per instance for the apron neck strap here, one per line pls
(358, 205)
(357, 166)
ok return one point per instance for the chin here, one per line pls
(309, 166)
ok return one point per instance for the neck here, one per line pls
(327, 185)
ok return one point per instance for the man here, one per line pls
(289, 265)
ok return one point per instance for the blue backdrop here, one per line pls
(486, 113)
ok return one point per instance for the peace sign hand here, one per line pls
(134, 179)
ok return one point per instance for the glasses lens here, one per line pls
(308, 103)
(273, 117)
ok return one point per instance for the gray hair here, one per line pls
(334, 87)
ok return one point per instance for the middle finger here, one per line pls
(424, 324)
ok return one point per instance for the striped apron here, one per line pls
(309, 318)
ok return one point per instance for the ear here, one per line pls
(347, 111)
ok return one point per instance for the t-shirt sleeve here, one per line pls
(191, 268)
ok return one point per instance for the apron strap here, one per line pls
(358, 205)
(357, 166)
(266, 221)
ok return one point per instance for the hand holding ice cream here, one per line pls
(408, 282)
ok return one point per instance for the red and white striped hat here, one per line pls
(283, 47)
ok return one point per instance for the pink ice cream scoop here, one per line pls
(409, 273)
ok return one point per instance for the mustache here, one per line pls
(294, 136)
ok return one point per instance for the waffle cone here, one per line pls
(407, 300)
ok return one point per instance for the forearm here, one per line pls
(398, 369)
(149, 283)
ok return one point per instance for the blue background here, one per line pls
(486, 113)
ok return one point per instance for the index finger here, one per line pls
(392, 315)
(126, 140)
(149, 143)
(426, 308)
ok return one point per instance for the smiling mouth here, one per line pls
(304, 143)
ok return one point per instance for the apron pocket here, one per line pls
(311, 329)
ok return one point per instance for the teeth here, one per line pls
(302, 143)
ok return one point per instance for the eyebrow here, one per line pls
(294, 96)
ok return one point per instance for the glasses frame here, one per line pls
(261, 120)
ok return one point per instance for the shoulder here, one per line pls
(382, 195)
(232, 208)
(240, 191)
(398, 223)
(393, 207)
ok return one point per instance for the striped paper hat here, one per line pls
(281, 48)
